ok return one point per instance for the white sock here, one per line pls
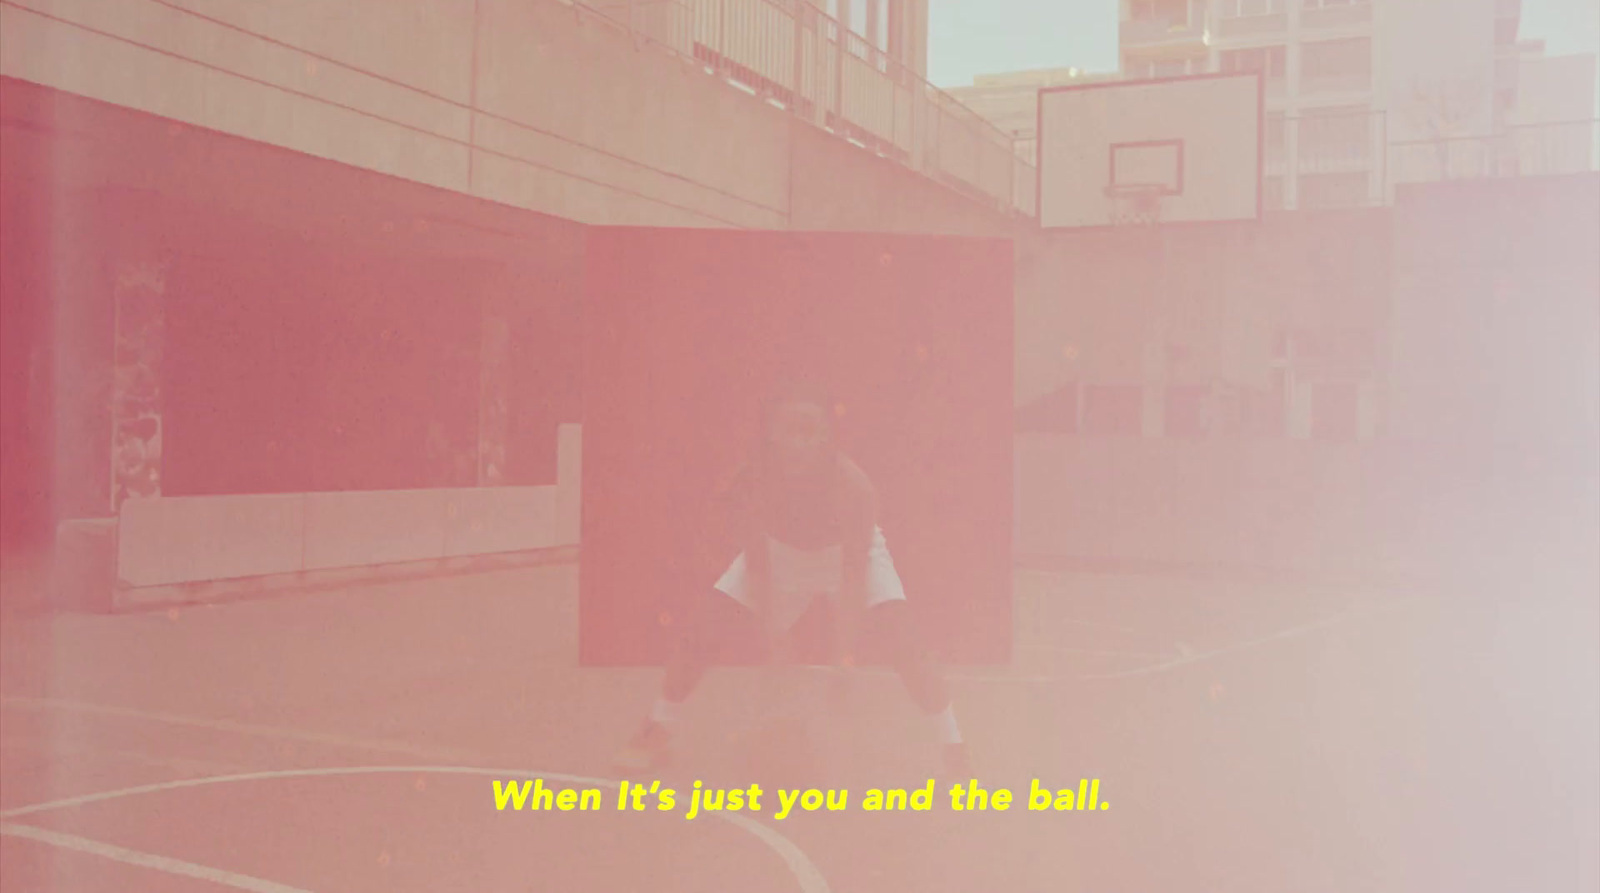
(665, 713)
(945, 721)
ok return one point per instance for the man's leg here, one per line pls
(715, 622)
(891, 627)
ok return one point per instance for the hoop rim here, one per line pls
(1137, 204)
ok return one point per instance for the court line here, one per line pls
(1184, 659)
(1097, 624)
(1102, 652)
(805, 872)
(49, 749)
(1290, 633)
(146, 860)
(397, 748)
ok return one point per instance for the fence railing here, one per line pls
(1346, 160)
(1518, 151)
(1328, 160)
(796, 57)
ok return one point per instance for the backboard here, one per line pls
(1195, 140)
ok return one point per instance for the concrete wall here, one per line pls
(173, 540)
(525, 102)
(532, 104)
(1496, 336)
(540, 104)
(1490, 295)
(840, 187)
(1093, 304)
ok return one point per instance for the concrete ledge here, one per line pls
(239, 589)
(178, 540)
(84, 565)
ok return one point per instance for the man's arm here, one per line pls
(860, 523)
(743, 515)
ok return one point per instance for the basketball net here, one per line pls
(1135, 204)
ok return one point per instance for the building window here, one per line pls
(877, 32)
(1265, 413)
(894, 41)
(1337, 64)
(1186, 416)
(1113, 409)
(1176, 11)
(1505, 31)
(1171, 68)
(1241, 8)
(1335, 137)
(1268, 60)
(1335, 411)
(858, 16)
(1275, 141)
(1054, 413)
(1350, 190)
(1272, 193)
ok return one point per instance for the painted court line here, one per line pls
(146, 860)
(1290, 633)
(1098, 625)
(1102, 652)
(56, 749)
(397, 748)
(806, 874)
(1187, 659)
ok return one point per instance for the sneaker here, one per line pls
(650, 749)
(957, 760)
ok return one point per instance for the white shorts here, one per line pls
(799, 576)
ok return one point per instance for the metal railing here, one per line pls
(1329, 160)
(796, 57)
(1517, 151)
(1346, 160)
(1163, 29)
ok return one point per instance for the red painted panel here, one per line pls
(686, 332)
(308, 369)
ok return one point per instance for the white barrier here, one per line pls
(176, 540)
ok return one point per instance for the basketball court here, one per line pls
(1263, 735)
(1250, 732)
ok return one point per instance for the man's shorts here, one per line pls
(800, 576)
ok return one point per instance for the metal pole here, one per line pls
(841, 38)
(796, 88)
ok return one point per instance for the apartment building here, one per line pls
(1010, 101)
(1363, 94)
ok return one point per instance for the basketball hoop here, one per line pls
(1134, 204)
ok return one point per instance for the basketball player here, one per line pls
(807, 516)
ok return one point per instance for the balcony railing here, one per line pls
(1231, 26)
(1344, 160)
(1518, 151)
(1352, 82)
(1163, 30)
(797, 58)
(1342, 16)
(1325, 160)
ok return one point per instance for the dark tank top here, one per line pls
(804, 514)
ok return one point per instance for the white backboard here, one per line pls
(1199, 138)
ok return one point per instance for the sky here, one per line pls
(971, 37)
